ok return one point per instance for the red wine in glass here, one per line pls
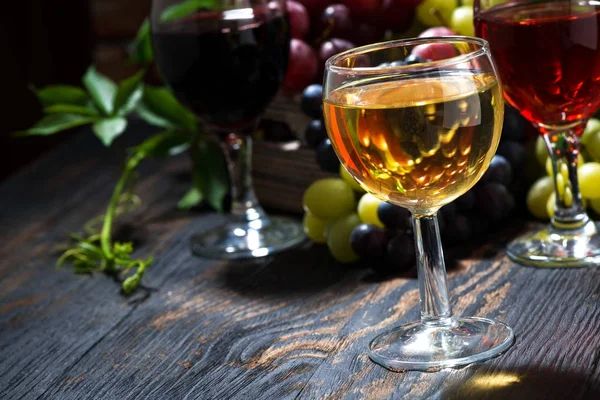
(548, 58)
(227, 68)
(226, 63)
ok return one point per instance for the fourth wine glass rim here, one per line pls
(481, 50)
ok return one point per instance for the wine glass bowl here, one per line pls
(548, 57)
(419, 136)
(225, 61)
(405, 144)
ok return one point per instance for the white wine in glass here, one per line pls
(420, 136)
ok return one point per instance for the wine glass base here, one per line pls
(422, 347)
(554, 248)
(258, 238)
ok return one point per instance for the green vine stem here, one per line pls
(105, 235)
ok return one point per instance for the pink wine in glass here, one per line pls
(548, 57)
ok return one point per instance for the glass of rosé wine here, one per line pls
(548, 58)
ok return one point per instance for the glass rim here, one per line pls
(370, 48)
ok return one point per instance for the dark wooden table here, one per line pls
(292, 326)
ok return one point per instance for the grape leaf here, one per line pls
(128, 94)
(62, 94)
(190, 200)
(159, 107)
(186, 8)
(167, 143)
(211, 175)
(101, 89)
(141, 48)
(54, 123)
(109, 129)
(71, 109)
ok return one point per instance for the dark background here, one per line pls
(47, 42)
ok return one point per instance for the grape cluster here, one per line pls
(357, 226)
(541, 198)
(320, 30)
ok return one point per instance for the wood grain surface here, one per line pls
(295, 325)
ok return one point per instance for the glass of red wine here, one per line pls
(225, 61)
(548, 58)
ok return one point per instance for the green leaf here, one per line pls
(164, 144)
(72, 109)
(54, 123)
(61, 94)
(109, 129)
(186, 8)
(211, 176)
(128, 94)
(101, 89)
(141, 48)
(191, 199)
(159, 107)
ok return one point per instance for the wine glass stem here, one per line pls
(433, 287)
(563, 149)
(238, 153)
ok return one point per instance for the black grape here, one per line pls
(369, 241)
(499, 171)
(326, 157)
(393, 217)
(315, 133)
(312, 101)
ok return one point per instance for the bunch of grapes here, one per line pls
(320, 30)
(541, 198)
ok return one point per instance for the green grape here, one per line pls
(314, 228)
(564, 170)
(592, 128)
(462, 21)
(367, 210)
(338, 238)
(537, 197)
(329, 198)
(541, 151)
(467, 3)
(588, 175)
(595, 204)
(551, 205)
(592, 145)
(350, 180)
(435, 12)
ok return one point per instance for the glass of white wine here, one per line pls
(418, 134)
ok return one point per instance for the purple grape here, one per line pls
(336, 21)
(448, 212)
(312, 101)
(499, 171)
(480, 224)
(514, 153)
(332, 47)
(514, 125)
(399, 256)
(414, 59)
(326, 157)
(368, 241)
(459, 230)
(393, 217)
(315, 133)
(494, 200)
(465, 202)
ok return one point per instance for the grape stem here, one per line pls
(105, 235)
(433, 286)
(440, 17)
